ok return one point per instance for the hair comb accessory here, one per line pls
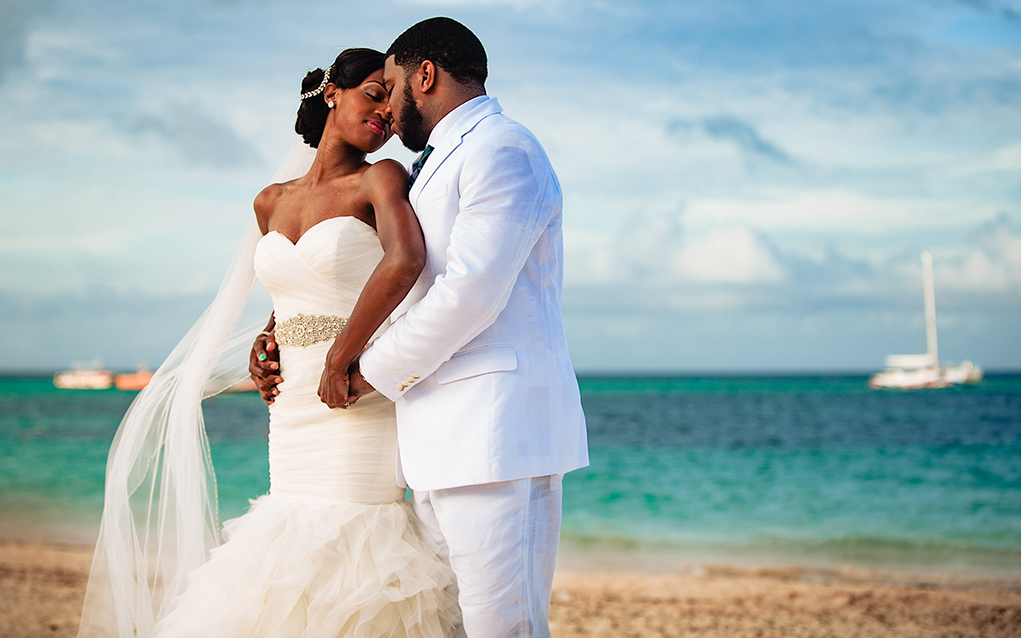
(326, 80)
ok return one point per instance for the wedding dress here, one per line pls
(332, 549)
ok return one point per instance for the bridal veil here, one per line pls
(160, 516)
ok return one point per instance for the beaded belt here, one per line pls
(304, 330)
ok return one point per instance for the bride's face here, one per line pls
(361, 114)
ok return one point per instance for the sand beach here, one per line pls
(42, 587)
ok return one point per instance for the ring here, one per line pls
(262, 356)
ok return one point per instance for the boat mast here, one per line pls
(930, 308)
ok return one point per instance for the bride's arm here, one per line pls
(386, 186)
(264, 358)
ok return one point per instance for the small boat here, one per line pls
(84, 376)
(916, 371)
(134, 380)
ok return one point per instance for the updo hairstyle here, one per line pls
(349, 70)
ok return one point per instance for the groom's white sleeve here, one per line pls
(508, 195)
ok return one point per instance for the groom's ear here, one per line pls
(425, 76)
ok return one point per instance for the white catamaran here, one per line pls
(911, 371)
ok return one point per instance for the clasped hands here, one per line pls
(340, 386)
(342, 383)
(264, 366)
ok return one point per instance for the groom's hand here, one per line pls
(358, 386)
(333, 385)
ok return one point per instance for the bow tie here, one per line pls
(416, 168)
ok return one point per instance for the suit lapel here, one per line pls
(449, 143)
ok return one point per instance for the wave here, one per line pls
(988, 555)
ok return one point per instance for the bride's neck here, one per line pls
(335, 158)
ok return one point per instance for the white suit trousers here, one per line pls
(501, 540)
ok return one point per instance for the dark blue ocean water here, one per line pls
(802, 470)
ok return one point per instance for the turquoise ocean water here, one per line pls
(806, 470)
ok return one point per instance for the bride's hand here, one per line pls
(264, 366)
(333, 385)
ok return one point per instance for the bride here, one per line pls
(332, 549)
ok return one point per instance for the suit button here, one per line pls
(416, 376)
(400, 387)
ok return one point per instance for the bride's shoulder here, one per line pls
(386, 170)
(266, 203)
(386, 178)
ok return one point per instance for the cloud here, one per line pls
(200, 138)
(728, 254)
(990, 265)
(1007, 10)
(744, 135)
(15, 16)
(727, 128)
(657, 262)
(654, 261)
(805, 210)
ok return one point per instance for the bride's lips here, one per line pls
(378, 127)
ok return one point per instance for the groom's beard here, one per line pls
(413, 133)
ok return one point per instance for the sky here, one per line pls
(748, 186)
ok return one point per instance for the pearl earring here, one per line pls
(330, 104)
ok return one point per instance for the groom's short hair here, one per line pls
(446, 43)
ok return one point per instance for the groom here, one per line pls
(488, 411)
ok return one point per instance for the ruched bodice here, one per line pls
(324, 272)
(318, 454)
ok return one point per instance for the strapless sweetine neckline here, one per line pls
(317, 225)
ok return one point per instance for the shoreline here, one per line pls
(650, 560)
(786, 567)
(820, 575)
(42, 586)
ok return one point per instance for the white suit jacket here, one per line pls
(476, 356)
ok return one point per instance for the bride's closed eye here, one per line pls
(375, 93)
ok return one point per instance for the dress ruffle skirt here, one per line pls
(317, 571)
